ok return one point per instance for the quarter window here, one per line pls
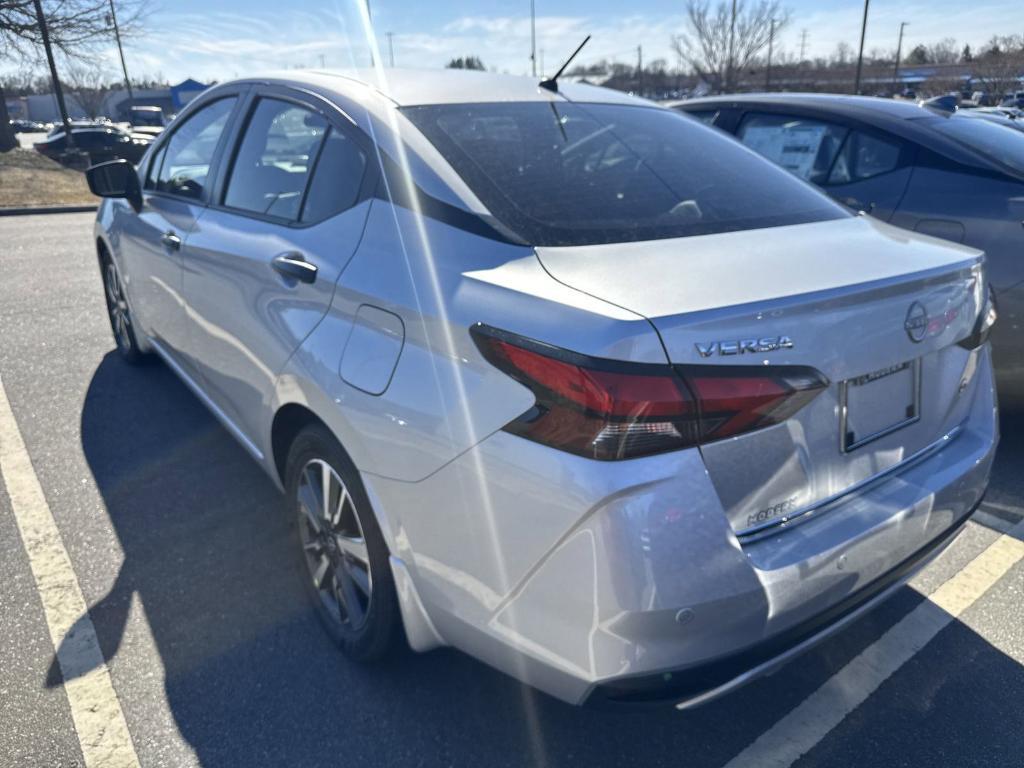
(274, 160)
(337, 178)
(803, 146)
(185, 164)
(863, 157)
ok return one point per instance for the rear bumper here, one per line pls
(624, 582)
(691, 686)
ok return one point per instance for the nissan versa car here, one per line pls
(555, 376)
(954, 175)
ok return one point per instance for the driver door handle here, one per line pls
(171, 240)
(295, 266)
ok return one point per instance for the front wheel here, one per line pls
(120, 316)
(343, 553)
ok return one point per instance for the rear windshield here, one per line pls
(581, 174)
(1002, 144)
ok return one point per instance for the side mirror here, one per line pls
(117, 178)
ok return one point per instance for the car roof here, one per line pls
(858, 107)
(414, 87)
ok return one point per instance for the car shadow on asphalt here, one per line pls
(251, 678)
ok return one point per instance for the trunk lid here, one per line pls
(876, 310)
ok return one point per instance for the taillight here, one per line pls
(610, 410)
(983, 327)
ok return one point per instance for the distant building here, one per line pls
(185, 91)
(117, 105)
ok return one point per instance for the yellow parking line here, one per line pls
(806, 725)
(95, 709)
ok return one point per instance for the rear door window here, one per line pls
(864, 156)
(337, 178)
(272, 167)
(803, 146)
(191, 148)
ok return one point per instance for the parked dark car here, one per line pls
(100, 144)
(940, 173)
(27, 126)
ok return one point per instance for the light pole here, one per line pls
(860, 52)
(120, 50)
(732, 40)
(57, 91)
(533, 37)
(768, 69)
(896, 66)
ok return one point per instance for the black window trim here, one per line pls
(194, 107)
(337, 120)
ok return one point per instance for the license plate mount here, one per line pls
(879, 403)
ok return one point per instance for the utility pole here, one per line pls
(391, 47)
(323, 62)
(860, 52)
(369, 18)
(732, 42)
(803, 46)
(896, 66)
(57, 92)
(768, 69)
(120, 50)
(640, 69)
(542, 62)
(533, 37)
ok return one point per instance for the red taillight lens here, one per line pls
(738, 399)
(611, 410)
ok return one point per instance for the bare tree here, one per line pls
(843, 54)
(1000, 66)
(77, 28)
(723, 40)
(90, 85)
(945, 51)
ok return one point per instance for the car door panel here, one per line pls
(245, 318)
(260, 268)
(152, 270)
(173, 199)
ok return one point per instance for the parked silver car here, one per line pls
(555, 376)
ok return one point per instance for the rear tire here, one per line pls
(121, 322)
(344, 559)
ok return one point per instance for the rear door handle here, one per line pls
(295, 266)
(171, 240)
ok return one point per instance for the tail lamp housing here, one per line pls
(611, 410)
(983, 326)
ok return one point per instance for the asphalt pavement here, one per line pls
(182, 553)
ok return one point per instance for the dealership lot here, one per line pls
(178, 545)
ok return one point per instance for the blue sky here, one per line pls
(221, 39)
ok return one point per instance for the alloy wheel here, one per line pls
(120, 320)
(333, 544)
